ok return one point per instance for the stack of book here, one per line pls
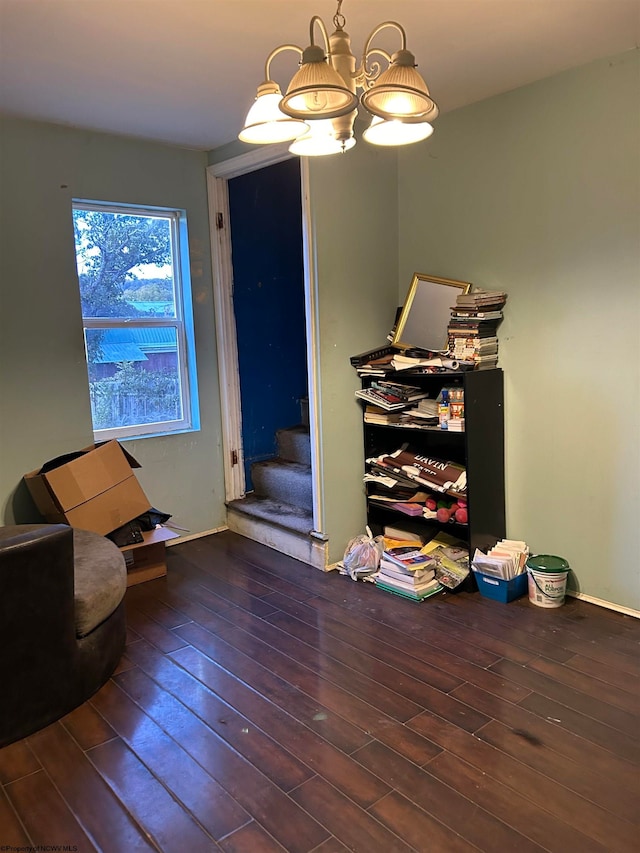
(405, 570)
(375, 362)
(390, 396)
(410, 418)
(473, 327)
(428, 410)
(400, 499)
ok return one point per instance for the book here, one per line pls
(392, 532)
(473, 340)
(411, 588)
(471, 330)
(389, 402)
(420, 576)
(370, 355)
(375, 415)
(467, 350)
(415, 595)
(470, 352)
(407, 508)
(406, 557)
(470, 314)
(377, 367)
(427, 579)
(410, 393)
(481, 297)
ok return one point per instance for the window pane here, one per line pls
(125, 264)
(134, 376)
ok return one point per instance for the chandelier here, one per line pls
(321, 103)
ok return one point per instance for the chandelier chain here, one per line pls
(339, 19)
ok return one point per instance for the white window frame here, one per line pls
(182, 323)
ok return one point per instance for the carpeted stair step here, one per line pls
(283, 482)
(294, 444)
(277, 513)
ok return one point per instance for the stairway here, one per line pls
(279, 512)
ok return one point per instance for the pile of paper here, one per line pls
(505, 560)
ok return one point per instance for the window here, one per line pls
(136, 312)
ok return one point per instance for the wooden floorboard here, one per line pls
(262, 705)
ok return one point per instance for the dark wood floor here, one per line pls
(264, 706)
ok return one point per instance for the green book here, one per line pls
(405, 594)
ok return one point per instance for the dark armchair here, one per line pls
(62, 623)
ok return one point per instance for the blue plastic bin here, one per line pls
(501, 590)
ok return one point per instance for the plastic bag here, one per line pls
(362, 555)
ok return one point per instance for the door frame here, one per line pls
(218, 176)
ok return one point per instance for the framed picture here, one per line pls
(426, 312)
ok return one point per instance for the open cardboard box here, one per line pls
(96, 491)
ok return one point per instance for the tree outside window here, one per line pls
(131, 293)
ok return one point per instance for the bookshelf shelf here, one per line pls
(480, 448)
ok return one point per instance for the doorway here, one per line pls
(219, 176)
(265, 214)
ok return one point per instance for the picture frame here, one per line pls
(426, 312)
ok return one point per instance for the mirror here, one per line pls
(426, 312)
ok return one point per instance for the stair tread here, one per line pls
(299, 428)
(278, 462)
(283, 514)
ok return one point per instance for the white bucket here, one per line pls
(547, 579)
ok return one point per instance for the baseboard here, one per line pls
(609, 605)
(196, 535)
(292, 544)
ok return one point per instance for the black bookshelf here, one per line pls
(480, 448)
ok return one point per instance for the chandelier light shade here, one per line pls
(317, 90)
(321, 101)
(399, 92)
(266, 123)
(395, 132)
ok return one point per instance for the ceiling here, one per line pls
(186, 71)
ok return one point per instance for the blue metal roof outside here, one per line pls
(112, 353)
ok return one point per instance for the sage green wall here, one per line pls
(43, 382)
(537, 192)
(355, 234)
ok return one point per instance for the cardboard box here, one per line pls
(501, 590)
(147, 560)
(96, 491)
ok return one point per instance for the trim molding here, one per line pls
(191, 536)
(313, 351)
(265, 155)
(609, 605)
(226, 343)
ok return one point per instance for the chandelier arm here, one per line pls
(395, 25)
(366, 75)
(363, 75)
(280, 49)
(318, 20)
